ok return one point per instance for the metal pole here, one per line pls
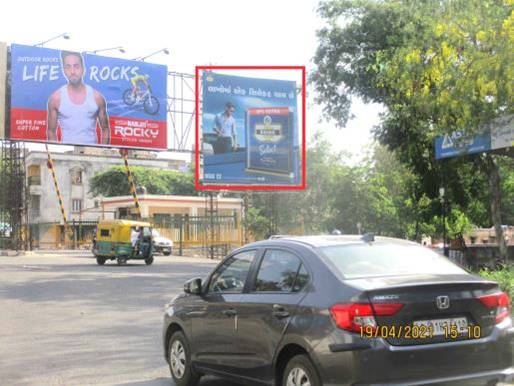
(181, 236)
(74, 235)
(445, 249)
(246, 206)
(211, 200)
(442, 197)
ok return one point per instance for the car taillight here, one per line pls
(500, 302)
(357, 316)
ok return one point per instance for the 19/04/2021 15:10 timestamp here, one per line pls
(422, 331)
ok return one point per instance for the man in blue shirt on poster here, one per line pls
(225, 128)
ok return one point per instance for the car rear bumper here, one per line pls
(375, 362)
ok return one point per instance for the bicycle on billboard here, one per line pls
(141, 93)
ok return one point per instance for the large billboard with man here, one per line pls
(80, 99)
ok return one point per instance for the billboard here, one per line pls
(83, 99)
(497, 135)
(3, 83)
(250, 134)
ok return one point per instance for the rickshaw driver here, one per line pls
(134, 238)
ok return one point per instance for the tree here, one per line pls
(113, 182)
(437, 67)
(305, 211)
(379, 194)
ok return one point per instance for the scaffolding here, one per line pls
(181, 110)
(214, 246)
(13, 195)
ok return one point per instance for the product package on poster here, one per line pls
(269, 137)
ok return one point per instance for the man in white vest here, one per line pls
(77, 107)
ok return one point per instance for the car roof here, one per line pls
(329, 240)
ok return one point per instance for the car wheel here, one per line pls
(167, 253)
(122, 261)
(179, 359)
(100, 261)
(149, 261)
(300, 372)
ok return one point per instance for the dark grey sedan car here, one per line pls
(340, 310)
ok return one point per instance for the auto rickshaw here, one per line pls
(113, 241)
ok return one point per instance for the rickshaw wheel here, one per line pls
(100, 261)
(122, 261)
(149, 261)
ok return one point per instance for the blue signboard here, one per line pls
(455, 144)
(250, 131)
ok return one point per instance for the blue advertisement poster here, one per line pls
(75, 98)
(249, 131)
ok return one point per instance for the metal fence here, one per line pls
(210, 236)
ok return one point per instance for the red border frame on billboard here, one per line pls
(200, 186)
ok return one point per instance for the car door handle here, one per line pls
(229, 312)
(279, 311)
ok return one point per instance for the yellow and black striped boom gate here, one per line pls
(124, 154)
(50, 164)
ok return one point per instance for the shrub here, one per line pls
(504, 277)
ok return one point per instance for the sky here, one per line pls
(196, 32)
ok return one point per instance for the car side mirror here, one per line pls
(193, 286)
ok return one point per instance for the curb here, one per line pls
(11, 253)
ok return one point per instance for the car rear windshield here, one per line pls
(376, 259)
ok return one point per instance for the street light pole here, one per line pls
(163, 50)
(119, 48)
(443, 205)
(63, 35)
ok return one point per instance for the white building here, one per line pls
(74, 170)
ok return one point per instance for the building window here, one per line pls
(76, 206)
(34, 205)
(123, 213)
(34, 175)
(76, 177)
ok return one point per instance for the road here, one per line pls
(66, 321)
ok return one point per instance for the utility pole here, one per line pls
(443, 205)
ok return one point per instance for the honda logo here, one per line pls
(442, 302)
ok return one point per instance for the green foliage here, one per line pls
(383, 194)
(504, 277)
(259, 225)
(378, 194)
(436, 66)
(114, 182)
(447, 63)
